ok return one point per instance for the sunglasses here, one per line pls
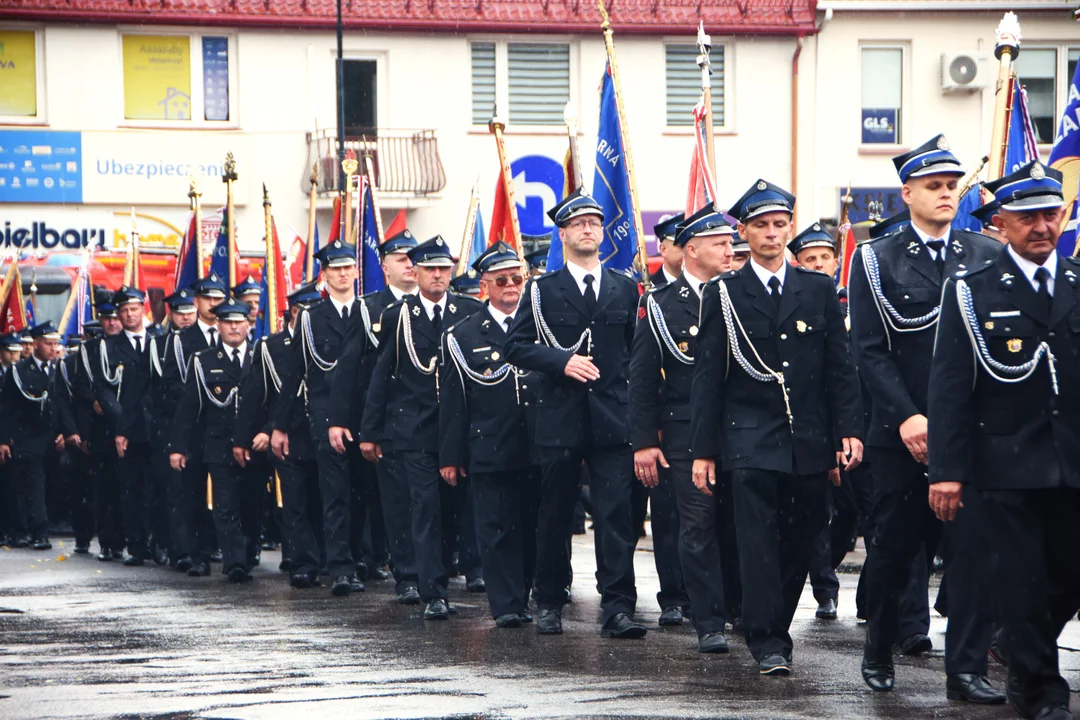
(504, 280)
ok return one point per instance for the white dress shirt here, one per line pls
(925, 238)
(338, 305)
(500, 317)
(765, 275)
(429, 307)
(579, 273)
(131, 338)
(1028, 268)
(205, 329)
(398, 293)
(242, 347)
(668, 277)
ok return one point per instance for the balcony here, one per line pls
(407, 167)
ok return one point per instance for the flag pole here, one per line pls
(194, 195)
(470, 226)
(349, 165)
(273, 316)
(496, 127)
(609, 44)
(229, 177)
(1006, 50)
(704, 61)
(309, 252)
(369, 175)
(570, 118)
(129, 261)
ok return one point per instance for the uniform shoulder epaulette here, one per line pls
(1071, 260)
(206, 351)
(730, 275)
(370, 295)
(466, 300)
(657, 289)
(972, 271)
(884, 239)
(622, 274)
(803, 269)
(545, 275)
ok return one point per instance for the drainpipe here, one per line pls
(795, 116)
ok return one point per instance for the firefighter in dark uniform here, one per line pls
(773, 399)
(895, 296)
(575, 327)
(1004, 428)
(207, 411)
(484, 435)
(29, 432)
(661, 375)
(403, 402)
(73, 422)
(298, 472)
(10, 353)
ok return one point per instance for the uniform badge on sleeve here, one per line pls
(989, 325)
(1015, 345)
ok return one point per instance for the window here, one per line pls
(529, 82)
(360, 94)
(683, 79)
(1037, 70)
(19, 75)
(882, 91)
(177, 78)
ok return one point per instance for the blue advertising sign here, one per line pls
(879, 126)
(538, 186)
(40, 166)
(887, 200)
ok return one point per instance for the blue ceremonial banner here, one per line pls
(372, 278)
(1020, 146)
(187, 264)
(555, 259)
(82, 311)
(1066, 157)
(479, 238)
(219, 261)
(31, 316)
(611, 185)
(971, 201)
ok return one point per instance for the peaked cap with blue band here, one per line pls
(248, 287)
(304, 295)
(762, 197)
(44, 330)
(931, 158)
(433, 252)
(668, 227)
(232, 310)
(336, 254)
(499, 256)
(1033, 187)
(467, 283)
(181, 301)
(813, 236)
(210, 286)
(11, 342)
(576, 204)
(739, 243)
(401, 243)
(899, 221)
(706, 221)
(128, 295)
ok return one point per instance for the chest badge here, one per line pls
(684, 346)
(800, 326)
(453, 308)
(693, 331)
(1015, 345)
(989, 325)
(495, 355)
(487, 372)
(416, 310)
(376, 327)
(217, 390)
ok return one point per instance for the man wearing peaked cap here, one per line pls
(889, 225)
(467, 283)
(780, 416)
(486, 410)
(537, 260)
(249, 292)
(693, 533)
(814, 238)
(403, 405)
(29, 434)
(895, 296)
(741, 250)
(1004, 388)
(575, 326)
(313, 362)
(73, 420)
(664, 232)
(182, 311)
(10, 353)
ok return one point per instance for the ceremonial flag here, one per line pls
(79, 309)
(187, 262)
(371, 275)
(1066, 157)
(479, 238)
(296, 257)
(1020, 147)
(847, 248)
(220, 263)
(502, 221)
(702, 188)
(556, 253)
(969, 203)
(611, 184)
(397, 225)
(31, 314)
(12, 308)
(271, 307)
(335, 224)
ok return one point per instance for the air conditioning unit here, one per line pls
(964, 72)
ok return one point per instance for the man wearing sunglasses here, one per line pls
(575, 326)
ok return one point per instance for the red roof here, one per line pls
(643, 17)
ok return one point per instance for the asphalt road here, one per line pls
(83, 639)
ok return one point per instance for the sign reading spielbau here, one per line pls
(76, 228)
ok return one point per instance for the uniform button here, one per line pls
(907, 297)
(1049, 334)
(526, 404)
(1008, 329)
(524, 387)
(785, 363)
(1055, 413)
(783, 336)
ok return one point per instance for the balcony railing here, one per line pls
(405, 161)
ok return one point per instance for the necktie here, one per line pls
(236, 358)
(344, 312)
(774, 287)
(590, 295)
(213, 337)
(1042, 276)
(938, 246)
(436, 319)
(138, 344)
(506, 323)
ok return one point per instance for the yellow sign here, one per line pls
(18, 73)
(157, 77)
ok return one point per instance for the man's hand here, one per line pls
(834, 476)
(645, 461)
(5, 453)
(338, 437)
(177, 461)
(945, 499)
(241, 456)
(58, 442)
(74, 440)
(581, 368)
(279, 441)
(850, 457)
(121, 445)
(97, 408)
(913, 433)
(372, 452)
(260, 443)
(704, 475)
(450, 474)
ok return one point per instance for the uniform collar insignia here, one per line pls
(956, 247)
(684, 291)
(220, 355)
(1007, 280)
(913, 247)
(485, 323)
(453, 308)
(416, 310)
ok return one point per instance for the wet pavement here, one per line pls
(83, 639)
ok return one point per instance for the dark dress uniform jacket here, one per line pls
(28, 426)
(63, 398)
(401, 404)
(744, 421)
(896, 365)
(660, 383)
(197, 418)
(361, 345)
(259, 394)
(570, 413)
(1007, 436)
(127, 406)
(483, 428)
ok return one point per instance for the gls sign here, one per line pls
(40, 235)
(879, 126)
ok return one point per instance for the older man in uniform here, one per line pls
(773, 398)
(575, 327)
(1004, 429)
(701, 555)
(895, 297)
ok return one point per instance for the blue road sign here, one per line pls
(538, 186)
(40, 166)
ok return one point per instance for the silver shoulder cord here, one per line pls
(155, 361)
(200, 376)
(890, 317)
(178, 353)
(64, 375)
(115, 379)
(366, 317)
(39, 399)
(309, 343)
(404, 331)
(731, 319)
(269, 371)
(997, 370)
(505, 370)
(85, 355)
(660, 330)
(545, 332)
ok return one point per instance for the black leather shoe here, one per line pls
(199, 570)
(239, 575)
(184, 564)
(82, 549)
(379, 573)
(355, 584)
(623, 627)
(509, 620)
(713, 642)
(774, 664)
(42, 545)
(342, 586)
(215, 557)
(526, 617)
(826, 609)
(916, 644)
(879, 676)
(20, 542)
(301, 581)
(409, 596)
(161, 556)
(973, 688)
(1054, 712)
(362, 571)
(105, 555)
(995, 652)
(476, 585)
(117, 554)
(134, 561)
(437, 609)
(671, 616)
(549, 623)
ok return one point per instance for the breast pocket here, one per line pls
(1011, 340)
(911, 295)
(562, 319)
(615, 317)
(757, 329)
(810, 326)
